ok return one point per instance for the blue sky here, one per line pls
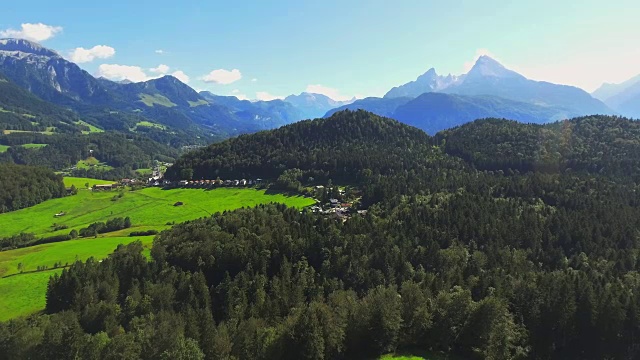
(340, 47)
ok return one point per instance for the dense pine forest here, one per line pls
(24, 186)
(493, 240)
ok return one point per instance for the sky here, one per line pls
(342, 48)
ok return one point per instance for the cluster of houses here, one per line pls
(182, 183)
(340, 210)
(218, 182)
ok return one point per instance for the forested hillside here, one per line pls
(481, 251)
(20, 110)
(594, 144)
(342, 147)
(24, 186)
(121, 152)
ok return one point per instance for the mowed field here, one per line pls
(147, 208)
(23, 288)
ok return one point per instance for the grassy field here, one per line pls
(92, 129)
(81, 182)
(92, 163)
(33, 146)
(144, 171)
(151, 100)
(48, 132)
(149, 207)
(197, 103)
(65, 253)
(22, 288)
(23, 294)
(150, 124)
(3, 148)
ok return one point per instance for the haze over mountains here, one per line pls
(623, 97)
(432, 102)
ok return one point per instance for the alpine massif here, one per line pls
(434, 102)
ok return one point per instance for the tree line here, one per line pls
(24, 186)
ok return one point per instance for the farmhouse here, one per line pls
(105, 187)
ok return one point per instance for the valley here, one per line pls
(296, 180)
(24, 272)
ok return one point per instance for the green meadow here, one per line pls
(22, 287)
(3, 148)
(33, 146)
(92, 162)
(23, 294)
(149, 207)
(92, 128)
(65, 253)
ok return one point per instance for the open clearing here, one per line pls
(3, 148)
(149, 207)
(93, 163)
(33, 146)
(92, 128)
(23, 294)
(22, 288)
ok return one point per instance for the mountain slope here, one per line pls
(624, 97)
(263, 114)
(595, 144)
(608, 91)
(378, 106)
(314, 105)
(49, 76)
(427, 82)
(337, 147)
(21, 110)
(433, 112)
(489, 77)
(165, 101)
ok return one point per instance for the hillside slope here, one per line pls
(336, 147)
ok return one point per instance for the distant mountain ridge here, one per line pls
(165, 100)
(427, 82)
(433, 102)
(623, 97)
(489, 77)
(314, 105)
(433, 111)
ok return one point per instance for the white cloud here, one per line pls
(33, 32)
(82, 55)
(239, 95)
(160, 51)
(161, 69)
(265, 96)
(180, 75)
(222, 76)
(254, 80)
(330, 92)
(118, 72)
(121, 72)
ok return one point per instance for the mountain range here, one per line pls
(623, 97)
(164, 101)
(432, 102)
